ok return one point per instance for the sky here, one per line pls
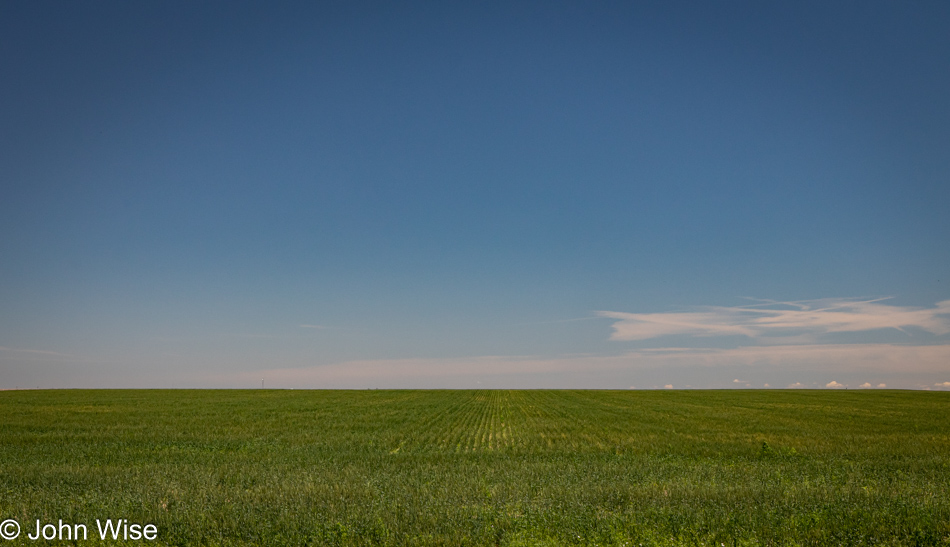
(359, 195)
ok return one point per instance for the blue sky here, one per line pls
(489, 195)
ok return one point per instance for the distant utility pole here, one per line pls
(262, 383)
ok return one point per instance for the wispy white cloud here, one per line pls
(943, 384)
(253, 335)
(802, 319)
(39, 352)
(643, 326)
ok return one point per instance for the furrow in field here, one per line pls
(420, 425)
(542, 419)
(522, 411)
(447, 435)
(442, 429)
(453, 421)
(556, 419)
(478, 438)
(501, 422)
(492, 425)
(470, 433)
(489, 430)
(505, 420)
(494, 441)
(445, 432)
(641, 421)
(510, 421)
(466, 425)
(447, 422)
(622, 420)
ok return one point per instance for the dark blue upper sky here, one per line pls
(433, 181)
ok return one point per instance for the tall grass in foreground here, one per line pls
(705, 468)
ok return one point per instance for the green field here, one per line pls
(269, 467)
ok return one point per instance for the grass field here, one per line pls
(708, 468)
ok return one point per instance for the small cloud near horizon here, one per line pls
(834, 385)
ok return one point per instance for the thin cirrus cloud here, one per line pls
(37, 352)
(806, 318)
